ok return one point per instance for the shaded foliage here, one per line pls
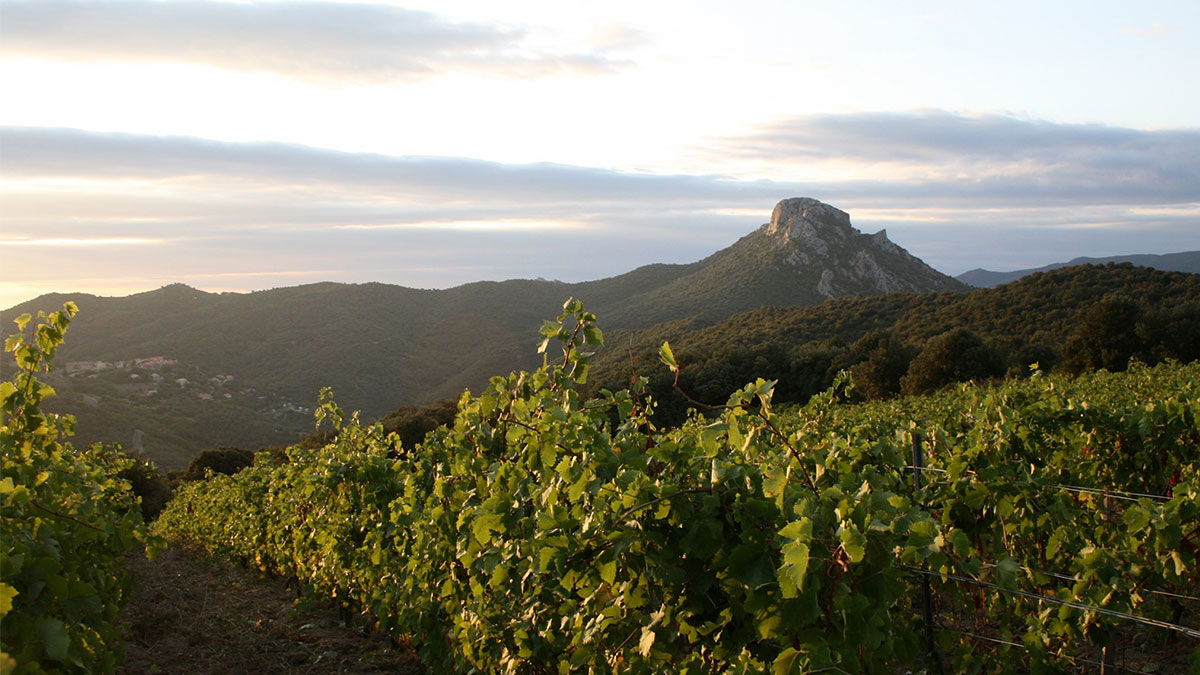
(954, 356)
(1107, 336)
(1175, 331)
(227, 461)
(1025, 322)
(412, 423)
(882, 360)
(149, 485)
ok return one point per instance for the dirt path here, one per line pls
(194, 614)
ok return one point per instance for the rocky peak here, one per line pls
(818, 241)
(881, 241)
(803, 217)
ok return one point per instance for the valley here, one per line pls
(380, 347)
(714, 502)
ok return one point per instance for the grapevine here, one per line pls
(66, 522)
(544, 531)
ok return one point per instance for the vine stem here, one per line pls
(652, 502)
(68, 517)
(766, 420)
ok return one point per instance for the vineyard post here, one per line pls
(926, 595)
(1108, 652)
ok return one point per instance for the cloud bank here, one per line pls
(958, 191)
(987, 159)
(321, 42)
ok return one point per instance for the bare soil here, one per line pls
(194, 614)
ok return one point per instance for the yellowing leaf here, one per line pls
(7, 593)
(853, 542)
(608, 571)
(667, 356)
(646, 642)
(795, 558)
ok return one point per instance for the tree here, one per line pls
(1174, 332)
(883, 359)
(954, 356)
(1107, 336)
(221, 460)
(412, 423)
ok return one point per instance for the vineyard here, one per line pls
(545, 532)
(1033, 526)
(66, 522)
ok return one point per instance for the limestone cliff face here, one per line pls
(808, 222)
(807, 219)
(806, 233)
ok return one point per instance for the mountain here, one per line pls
(1188, 261)
(802, 348)
(177, 370)
(808, 253)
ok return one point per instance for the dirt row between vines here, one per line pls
(195, 614)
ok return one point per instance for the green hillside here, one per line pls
(192, 370)
(1033, 319)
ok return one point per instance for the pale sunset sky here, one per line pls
(235, 146)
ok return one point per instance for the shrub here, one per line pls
(954, 356)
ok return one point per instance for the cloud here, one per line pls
(322, 42)
(925, 160)
(75, 241)
(65, 155)
(248, 209)
(987, 159)
(255, 210)
(992, 192)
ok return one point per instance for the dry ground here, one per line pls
(193, 614)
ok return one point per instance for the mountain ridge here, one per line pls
(265, 355)
(1183, 261)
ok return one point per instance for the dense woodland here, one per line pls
(1071, 320)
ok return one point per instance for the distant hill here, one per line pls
(1188, 261)
(804, 347)
(178, 370)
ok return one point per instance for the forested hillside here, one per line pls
(177, 370)
(1074, 319)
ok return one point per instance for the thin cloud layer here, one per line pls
(985, 159)
(48, 154)
(322, 42)
(258, 214)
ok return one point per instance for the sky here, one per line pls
(236, 146)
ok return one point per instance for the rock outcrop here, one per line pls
(806, 232)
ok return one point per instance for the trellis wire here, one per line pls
(1190, 632)
(1067, 577)
(1018, 645)
(1115, 494)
